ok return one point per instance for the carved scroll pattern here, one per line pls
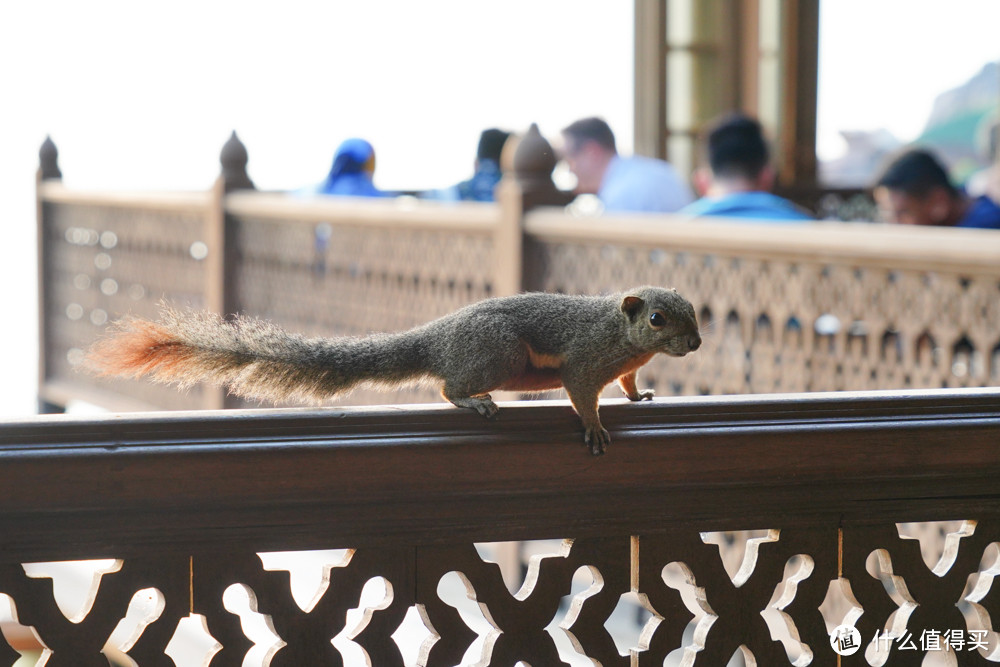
(768, 608)
(788, 326)
(80, 643)
(955, 596)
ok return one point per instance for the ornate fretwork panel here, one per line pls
(105, 262)
(350, 280)
(798, 325)
(766, 596)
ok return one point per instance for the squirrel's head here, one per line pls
(661, 320)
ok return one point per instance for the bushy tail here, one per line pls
(253, 358)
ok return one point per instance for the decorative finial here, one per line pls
(534, 158)
(48, 160)
(534, 161)
(234, 165)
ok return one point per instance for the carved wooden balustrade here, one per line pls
(811, 307)
(329, 266)
(181, 505)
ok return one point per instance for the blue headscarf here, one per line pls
(351, 173)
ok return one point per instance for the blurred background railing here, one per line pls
(819, 306)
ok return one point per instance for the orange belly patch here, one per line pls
(540, 360)
(541, 373)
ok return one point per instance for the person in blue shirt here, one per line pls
(633, 183)
(351, 172)
(914, 189)
(737, 181)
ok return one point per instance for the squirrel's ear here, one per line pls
(631, 305)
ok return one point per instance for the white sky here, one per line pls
(882, 62)
(143, 95)
(135, 96)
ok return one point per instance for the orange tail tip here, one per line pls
(136, 348)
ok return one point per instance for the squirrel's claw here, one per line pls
(488, 409)
(597, 439)
(646, 395)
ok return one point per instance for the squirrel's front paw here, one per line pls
(597, 439)
(646, 395)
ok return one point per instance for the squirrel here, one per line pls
(527, 342)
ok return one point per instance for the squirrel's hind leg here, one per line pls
(483, 404)
(470, 384)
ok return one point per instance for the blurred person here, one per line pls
(486, 171)
(914, 189)
(352, 171)
(737, 180)
(621, 183)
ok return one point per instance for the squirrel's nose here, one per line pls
(694, 342)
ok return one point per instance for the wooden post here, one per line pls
(508, 240)
(528, 163)
(48, 170)
(218, 264)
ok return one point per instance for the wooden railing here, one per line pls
(816, 307)
(181, 504)
(811, 307)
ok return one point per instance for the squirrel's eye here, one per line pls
(657, 320)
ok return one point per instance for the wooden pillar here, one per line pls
(650, 131)
(800, 66)
(48, 170)
(218, 235)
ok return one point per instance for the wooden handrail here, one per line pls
(396, 212)
(864, 244)
(159, 200)
(297, 479)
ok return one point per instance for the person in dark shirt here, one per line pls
(915, 190)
